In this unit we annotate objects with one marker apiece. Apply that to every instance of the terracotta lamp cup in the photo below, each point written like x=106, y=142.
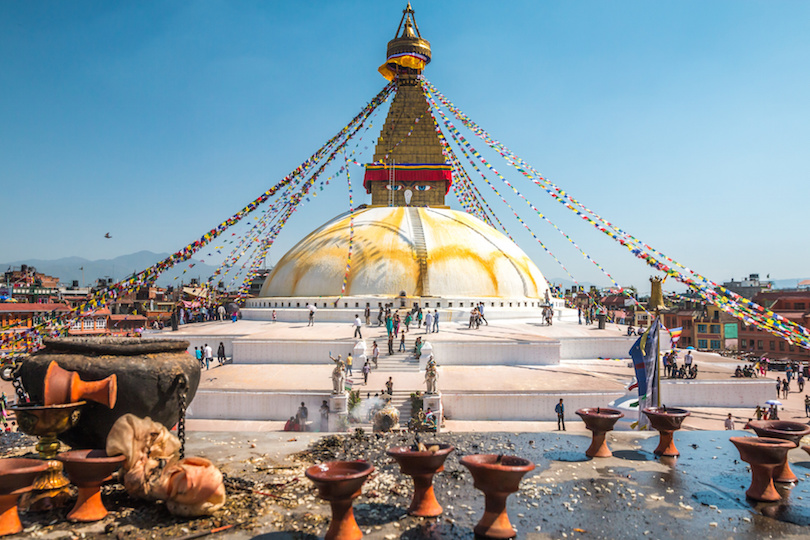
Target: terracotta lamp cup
x=339, y=482
x=764, y=454
x=89, y=469
x=17, y=476
x=599, y=420
x=666, y=420
x=422, y=466
x=781, y=429
x=497, y=476
x=63, y=386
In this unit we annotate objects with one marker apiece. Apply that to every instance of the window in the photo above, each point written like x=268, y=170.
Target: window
x=772, y=345
x=716, y=316
x=77, y=324
x=760, y=345
x=743, y=343
x=702, y=344
x=714, y=329
x=701, y=328
x=88, y=324
x=781, y=345
x=715, y=344
x=798, y=305
x=101, y=323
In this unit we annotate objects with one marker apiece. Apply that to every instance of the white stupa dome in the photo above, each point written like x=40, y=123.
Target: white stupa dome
x=419, y=251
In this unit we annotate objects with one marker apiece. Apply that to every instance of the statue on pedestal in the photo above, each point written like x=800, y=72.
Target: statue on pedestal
x=431, y=379
x=338, y=376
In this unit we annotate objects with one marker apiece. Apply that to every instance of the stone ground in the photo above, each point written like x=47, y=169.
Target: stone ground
x=631, y=494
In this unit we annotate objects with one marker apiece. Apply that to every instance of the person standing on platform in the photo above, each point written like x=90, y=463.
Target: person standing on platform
x=481, y=313
x=349, y=361
x=729, y=423
x=560, y=410
x=390, y=344
x=199, y=356
x=367, y=314
x=428, y=321
x=389, y=386
x=402, y=342
x=375, y=353
x=366, y=371
x=357, y=325
x=208, y=355
x=324, y=416
x=221, y=353
x=435, y=320
x=807, y=405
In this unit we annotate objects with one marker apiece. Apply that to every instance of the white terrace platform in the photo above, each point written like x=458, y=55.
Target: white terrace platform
x=509, y=370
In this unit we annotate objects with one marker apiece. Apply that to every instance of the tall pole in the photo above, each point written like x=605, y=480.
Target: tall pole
x=658, y=359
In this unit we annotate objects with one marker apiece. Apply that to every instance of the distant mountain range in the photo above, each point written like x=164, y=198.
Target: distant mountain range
x=68, y=269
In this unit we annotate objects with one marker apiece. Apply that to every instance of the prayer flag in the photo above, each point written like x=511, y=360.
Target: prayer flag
x=675, y=336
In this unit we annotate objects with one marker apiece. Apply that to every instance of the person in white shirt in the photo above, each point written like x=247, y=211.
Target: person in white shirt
x=208, y=355
x=357, y=325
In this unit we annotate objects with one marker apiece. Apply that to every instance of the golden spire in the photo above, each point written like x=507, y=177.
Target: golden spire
x=407, y=53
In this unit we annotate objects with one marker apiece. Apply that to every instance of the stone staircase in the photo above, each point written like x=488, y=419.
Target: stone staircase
x=420, y=248
x=399, y=361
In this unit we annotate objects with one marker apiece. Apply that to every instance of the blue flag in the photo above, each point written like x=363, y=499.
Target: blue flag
x=644, y=354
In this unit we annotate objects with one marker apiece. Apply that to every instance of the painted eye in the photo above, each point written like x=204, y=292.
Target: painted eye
x=423, y=188
x=393, y=188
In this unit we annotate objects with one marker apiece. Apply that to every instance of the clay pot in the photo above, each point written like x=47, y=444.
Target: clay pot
x=764, y=455
x=781, y=429
x=17, y=476
x=599, y=420
x=497, y=476
x=339, y=482
x=149, y=374
x=666, y=420
x=422, y=466
x=62, y=386
x=88, y=470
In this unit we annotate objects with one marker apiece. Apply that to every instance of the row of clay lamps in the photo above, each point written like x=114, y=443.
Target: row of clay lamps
x=768, y=455
x=600, y=420
x=340, y=482
x=87, y=469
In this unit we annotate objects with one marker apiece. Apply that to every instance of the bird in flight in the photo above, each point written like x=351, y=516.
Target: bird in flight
x=107, y=235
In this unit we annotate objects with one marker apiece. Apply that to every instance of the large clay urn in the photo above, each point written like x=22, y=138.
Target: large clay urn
x=422, y=466
x=497, y=476
x=666, y=420
x=340, y=482
x=785, y=430
x=17, y=476
x=599, y=420
x=149, y=373
x=764, y=454
x=88, y=470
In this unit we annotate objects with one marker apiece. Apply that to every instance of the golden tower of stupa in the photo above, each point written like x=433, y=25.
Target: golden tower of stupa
x=409, y=168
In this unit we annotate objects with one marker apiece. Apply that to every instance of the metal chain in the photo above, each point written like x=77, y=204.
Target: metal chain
x=12, y=373
x=182, y=392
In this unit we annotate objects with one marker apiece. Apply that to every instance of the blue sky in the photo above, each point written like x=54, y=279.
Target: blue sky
x=686, y=123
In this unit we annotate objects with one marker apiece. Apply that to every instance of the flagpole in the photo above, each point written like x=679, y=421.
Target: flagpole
x=658, y=359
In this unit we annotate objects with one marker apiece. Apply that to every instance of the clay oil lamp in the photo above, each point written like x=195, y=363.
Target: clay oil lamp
x=17, y=476
x=497, y=476
x=63, y=386
x=339, y=482
x=781, y=429
x=421, y=463
x=599, y=420
x=764, y=454
x=88, y=470
x=46, y=422
x=666, y=420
